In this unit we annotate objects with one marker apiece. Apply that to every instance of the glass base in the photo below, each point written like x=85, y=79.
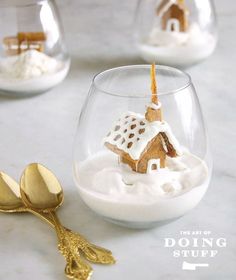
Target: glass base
x=15, y=95
x=140, y=225
x=33, y=86
x=26, y=94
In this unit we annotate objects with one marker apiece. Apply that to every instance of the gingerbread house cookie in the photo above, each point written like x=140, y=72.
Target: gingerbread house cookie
x=143, y=142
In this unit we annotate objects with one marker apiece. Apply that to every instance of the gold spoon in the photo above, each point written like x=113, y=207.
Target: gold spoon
x=10, y=198
x=10, y=202
x=41, y=192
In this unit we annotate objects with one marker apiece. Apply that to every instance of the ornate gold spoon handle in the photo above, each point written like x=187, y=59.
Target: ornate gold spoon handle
x=76, y=268
x=38, y=179
x=91, y=252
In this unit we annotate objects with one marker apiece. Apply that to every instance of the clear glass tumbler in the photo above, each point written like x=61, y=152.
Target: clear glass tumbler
x=33, y=55
x=175, y=32
x=110, y=187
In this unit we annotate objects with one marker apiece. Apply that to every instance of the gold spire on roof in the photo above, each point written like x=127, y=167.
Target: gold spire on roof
x=154, y=84
x=154, y=112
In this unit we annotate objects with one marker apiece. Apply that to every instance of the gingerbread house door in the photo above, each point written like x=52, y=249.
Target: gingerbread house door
x=173, y=25
x=153, y=165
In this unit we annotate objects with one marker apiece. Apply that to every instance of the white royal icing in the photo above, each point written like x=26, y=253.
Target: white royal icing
x=155, y=106
x=126, y=134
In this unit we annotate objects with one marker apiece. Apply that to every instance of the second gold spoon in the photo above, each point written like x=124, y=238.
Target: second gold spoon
x=41, y=191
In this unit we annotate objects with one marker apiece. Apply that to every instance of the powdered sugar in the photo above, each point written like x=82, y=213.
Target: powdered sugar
x=31, y=71
x=29, y=64
x=177, y=48
x=114, y=190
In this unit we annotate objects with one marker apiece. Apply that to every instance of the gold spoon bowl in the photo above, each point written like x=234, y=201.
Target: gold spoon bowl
x=10, y=198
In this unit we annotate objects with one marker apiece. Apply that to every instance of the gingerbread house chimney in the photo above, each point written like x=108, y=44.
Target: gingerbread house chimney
x=154, y=111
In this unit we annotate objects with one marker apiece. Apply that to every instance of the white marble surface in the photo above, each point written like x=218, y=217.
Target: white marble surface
x=42, y=129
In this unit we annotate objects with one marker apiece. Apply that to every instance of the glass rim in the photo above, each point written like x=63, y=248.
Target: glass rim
x=16, y=5
x=146, y=66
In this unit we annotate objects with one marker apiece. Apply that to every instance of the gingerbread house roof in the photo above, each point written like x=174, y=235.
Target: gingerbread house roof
x=132, y=133
x=166, y=4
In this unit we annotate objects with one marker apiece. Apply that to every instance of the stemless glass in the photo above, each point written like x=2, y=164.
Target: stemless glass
x=33, y=55
x=99, y=174
x=176, y=33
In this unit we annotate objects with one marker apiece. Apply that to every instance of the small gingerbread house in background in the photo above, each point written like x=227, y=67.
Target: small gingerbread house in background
x=174, y=15
x=143, y=142
x=24, y=41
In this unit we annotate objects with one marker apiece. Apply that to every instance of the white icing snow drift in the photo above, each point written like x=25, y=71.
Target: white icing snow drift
x=177, y=48
x=31, y=71
x=114, y=191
